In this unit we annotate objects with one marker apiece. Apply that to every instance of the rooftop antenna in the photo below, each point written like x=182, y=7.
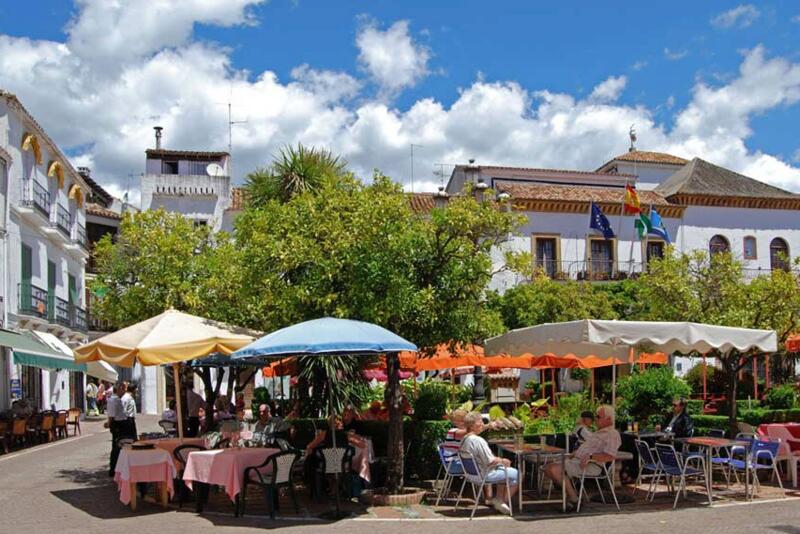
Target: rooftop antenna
x=632, y=135
x=231, y=123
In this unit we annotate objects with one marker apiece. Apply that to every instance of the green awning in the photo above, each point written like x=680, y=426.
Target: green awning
x=30, y=351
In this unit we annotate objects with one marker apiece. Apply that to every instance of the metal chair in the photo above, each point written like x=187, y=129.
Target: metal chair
x=274, y=473
x=181, y=455
x=605, y=474
x=477, y=478
x=452, y=469
x=647, y=462
x=169, y=427
x=673, y=466
x=761, y=456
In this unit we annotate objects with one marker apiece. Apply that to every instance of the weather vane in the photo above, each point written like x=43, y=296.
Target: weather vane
x=632, y=135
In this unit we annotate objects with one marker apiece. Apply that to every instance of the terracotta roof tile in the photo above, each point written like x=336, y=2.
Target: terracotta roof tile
x=485, y=168
x=184, y=154
x=421, y=202
x=100, y=211
x=238, y=198
x=700, y=177
x=575, y=193
x=642, y=156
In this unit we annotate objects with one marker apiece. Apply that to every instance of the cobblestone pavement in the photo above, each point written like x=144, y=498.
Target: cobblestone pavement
x=64, y=488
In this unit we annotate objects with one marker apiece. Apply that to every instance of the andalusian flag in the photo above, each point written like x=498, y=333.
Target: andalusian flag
x=643, y=225
x=631, y=204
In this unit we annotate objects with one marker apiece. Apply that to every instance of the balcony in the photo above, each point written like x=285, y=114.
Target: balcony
x=78, y=318
x=36, y=204
x=79, y=243
x=63, y=221
x=59, y=311
x=592, y=271
x=32, y=300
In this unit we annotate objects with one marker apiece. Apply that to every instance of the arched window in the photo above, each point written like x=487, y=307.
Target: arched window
x=717, y=244
x=750, y=252
x=778, y=254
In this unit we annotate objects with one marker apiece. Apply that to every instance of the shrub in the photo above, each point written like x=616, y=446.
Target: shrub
x=647, y=395
x=715, y=380
x=421, y=439
x=432, y=400
x=780, y=397
x=710, y=421
x=694, y=407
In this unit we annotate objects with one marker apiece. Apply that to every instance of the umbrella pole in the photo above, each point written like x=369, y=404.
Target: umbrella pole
x=705, y=383
x=593, y=397
x=614, y=389
x=176, y=374
x=332, y=419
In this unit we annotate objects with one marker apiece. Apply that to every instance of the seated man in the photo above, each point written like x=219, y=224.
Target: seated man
x=268, y=426
x=680, y=424
x=170, y=414
x=600, y=447
x=498, y=467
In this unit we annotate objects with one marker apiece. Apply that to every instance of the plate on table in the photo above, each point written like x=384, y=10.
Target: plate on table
x=142, y=446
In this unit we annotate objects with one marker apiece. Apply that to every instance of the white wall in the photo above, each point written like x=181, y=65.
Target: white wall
x=647, y=172
x=196, y=197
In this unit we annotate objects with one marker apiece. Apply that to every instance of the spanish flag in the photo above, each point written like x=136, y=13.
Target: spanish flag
x=631, y=205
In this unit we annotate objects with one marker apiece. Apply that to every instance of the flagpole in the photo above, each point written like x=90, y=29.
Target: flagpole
x=646, y=239
x=621, y=215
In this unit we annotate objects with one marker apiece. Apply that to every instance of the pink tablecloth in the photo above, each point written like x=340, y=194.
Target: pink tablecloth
x=170, y=444
x=151, y=465
x=224, y=467
x=361, y=459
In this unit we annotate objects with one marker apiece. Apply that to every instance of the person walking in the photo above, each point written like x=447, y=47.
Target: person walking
x=116, y=424
x=91, y=398
x=129, y=410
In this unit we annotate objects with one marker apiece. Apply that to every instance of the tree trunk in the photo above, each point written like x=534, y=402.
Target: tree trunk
x=211, y=396
x=731, y=366
x=394, y=401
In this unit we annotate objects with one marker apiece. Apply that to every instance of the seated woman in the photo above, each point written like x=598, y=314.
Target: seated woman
x=452, y=442
x=680, y=424
x=583, y=429
x=498, y=468
x=222, y=409
x=345, y=435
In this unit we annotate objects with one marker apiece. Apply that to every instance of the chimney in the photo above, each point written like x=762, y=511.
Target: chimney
x=158, y=136
x=86, y=172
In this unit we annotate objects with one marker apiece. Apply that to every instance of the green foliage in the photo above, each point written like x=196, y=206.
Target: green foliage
x=333, y=379
x=496, y=412
x=780, y=397
x=710, y=421
x=581, y=375
x=715, y=380
x=650, y=393
x=293, y=171
x=433, y=398
x=544, y=300
x=363, y=394
x=694, y=407
x=260, y=396
x=423, y=438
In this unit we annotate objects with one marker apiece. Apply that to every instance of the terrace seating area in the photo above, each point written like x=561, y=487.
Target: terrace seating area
x=21, y=428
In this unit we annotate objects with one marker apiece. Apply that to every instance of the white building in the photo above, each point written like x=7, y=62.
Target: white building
x=193, y=183
x=44, y=251
x=703, y=206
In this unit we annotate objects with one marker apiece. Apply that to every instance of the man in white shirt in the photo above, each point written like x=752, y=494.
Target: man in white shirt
x=129, y=411
x=194, y=403
x=116, y=424
x=600, y=447
x=91, y=398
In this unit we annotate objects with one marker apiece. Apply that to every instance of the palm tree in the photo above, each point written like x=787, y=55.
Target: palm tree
x=293, y=171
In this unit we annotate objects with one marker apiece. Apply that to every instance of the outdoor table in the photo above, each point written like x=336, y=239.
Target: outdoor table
x=538, y=453
x=709, y=444
x=223, y=467
x=170, y=444
x=144, y=465
x=651, y=434
x=793, y=428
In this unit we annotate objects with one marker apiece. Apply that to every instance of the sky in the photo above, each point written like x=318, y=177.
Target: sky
x=534, y=84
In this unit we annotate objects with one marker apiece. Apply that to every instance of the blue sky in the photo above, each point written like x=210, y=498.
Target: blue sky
x=663, y=52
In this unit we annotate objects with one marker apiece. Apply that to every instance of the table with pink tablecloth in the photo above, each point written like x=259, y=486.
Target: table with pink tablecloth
x=224, y=467
x=144, y=465
x=170, y=444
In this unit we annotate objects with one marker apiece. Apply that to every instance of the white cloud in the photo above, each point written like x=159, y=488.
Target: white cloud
x=391, y=58
x=639, y=65
x=675, y=55
x=108, y=120
x=741, y=16
x=609, y=90
x=796, y=19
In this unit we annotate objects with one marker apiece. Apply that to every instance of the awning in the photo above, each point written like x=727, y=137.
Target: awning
x=29, y=350
x=100, y=369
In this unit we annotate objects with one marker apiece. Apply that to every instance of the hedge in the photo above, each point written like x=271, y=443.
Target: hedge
x=762, y=416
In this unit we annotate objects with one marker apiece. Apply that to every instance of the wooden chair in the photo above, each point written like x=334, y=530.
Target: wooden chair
x=47, y=427
x=5, y=431
x=274, y=473
x=32, y=428
x=19, y=431
x=61, y=424
x=74, y=420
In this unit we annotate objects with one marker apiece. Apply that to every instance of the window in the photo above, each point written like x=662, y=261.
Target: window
x=169, y=167
x=546, y=254
x=601, y=259
x=718, y=244
x=198, y=167
x=655, y=249
x=679, y=367
x=778, y=254
x=750, y=248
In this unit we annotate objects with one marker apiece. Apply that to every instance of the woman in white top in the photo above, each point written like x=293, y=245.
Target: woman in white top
x=498, y=467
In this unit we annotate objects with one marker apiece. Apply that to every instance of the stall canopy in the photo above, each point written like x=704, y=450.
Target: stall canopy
x=29, y=350
x=613, y=339
x=100, y=370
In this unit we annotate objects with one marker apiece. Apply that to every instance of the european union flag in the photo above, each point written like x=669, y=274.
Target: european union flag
x=599, y=222
x=658, y=226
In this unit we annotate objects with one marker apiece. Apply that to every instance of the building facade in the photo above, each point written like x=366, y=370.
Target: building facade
x=44, y=251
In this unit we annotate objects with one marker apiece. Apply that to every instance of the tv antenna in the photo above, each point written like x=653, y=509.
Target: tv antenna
x=231, y=124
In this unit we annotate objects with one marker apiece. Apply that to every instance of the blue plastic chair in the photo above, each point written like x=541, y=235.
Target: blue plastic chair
x=760, y=457
x=452, y=469
x=647, y=463
x=477, y=478
x=674, y=467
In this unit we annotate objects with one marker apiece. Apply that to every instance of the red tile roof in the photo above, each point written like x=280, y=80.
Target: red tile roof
x=575, y=193
x=238, y=198
x=100, y=211
x=422, y=202
x=183, y=154
x=485, y=168
x=643, y=156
